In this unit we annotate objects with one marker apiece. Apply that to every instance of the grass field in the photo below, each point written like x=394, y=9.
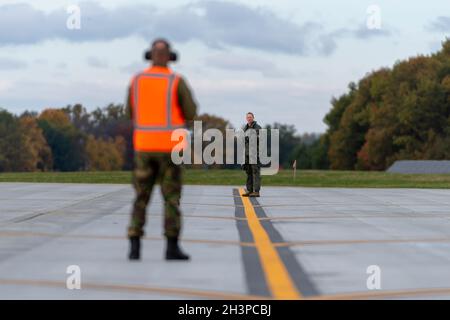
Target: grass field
x=306, y=178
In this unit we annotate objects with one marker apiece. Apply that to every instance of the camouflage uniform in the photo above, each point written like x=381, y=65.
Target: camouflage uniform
x=151, y=168
x=155, y=167
x=253, y=171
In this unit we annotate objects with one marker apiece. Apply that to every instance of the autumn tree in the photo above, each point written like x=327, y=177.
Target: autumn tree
x=394, y=113
x=105, y=154
x=22, y=144
x=35, y=152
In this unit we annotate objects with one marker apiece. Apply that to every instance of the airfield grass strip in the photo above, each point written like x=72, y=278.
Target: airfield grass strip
x=304, y=178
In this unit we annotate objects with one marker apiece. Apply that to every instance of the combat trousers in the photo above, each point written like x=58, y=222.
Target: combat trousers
x=253, y=172
x=152, y=168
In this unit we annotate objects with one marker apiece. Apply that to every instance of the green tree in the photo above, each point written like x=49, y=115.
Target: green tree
x=66, y=142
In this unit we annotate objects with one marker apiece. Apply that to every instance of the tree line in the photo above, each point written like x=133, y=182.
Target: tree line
x=394, y=113
x=73, y=139
x=66, y=139
x=391, y=114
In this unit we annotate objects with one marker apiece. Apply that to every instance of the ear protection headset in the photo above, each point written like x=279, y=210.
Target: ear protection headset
x=173, y=55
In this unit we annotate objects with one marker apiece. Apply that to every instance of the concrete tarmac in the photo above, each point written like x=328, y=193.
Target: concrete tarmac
x=291, y=243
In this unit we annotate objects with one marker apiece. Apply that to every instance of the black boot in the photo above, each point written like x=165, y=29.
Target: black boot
x=135, y=248
x=173, y=251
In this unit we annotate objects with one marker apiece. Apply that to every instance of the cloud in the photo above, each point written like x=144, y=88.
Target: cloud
x=221, y=24
x=361, y=33
x=11, y=64
x=37, y=94
x=23, y=24
x=5, y=85
x=61, y=66
x=133, y=67
x=217, y=24
x=440, y=24
x=365, y=33
x=96, y=63
x=233, y=62
x=40, y=61
x=281, y=100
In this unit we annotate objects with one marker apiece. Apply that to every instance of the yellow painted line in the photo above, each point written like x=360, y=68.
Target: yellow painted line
x=278, y=279
x=136, y=288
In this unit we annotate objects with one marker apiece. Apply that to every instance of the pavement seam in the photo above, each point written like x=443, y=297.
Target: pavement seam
x=34, y=215
x=136, y=288
x=13, y=233
x=278, y=244
x=383, y=294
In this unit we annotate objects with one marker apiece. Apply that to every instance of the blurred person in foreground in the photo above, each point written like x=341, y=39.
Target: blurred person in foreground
x=159, y=102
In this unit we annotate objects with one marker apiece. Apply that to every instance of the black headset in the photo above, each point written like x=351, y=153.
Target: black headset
x=173, y=55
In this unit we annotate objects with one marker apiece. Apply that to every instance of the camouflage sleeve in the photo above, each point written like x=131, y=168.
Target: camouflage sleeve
x=186, y=100
x=258, y=128
x=128, y=107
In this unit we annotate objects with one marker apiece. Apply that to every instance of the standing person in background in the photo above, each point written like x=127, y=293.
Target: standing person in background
x=253, y=170
x=159, y=102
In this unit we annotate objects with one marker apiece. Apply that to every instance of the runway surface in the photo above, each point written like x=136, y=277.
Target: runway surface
x=291, y=243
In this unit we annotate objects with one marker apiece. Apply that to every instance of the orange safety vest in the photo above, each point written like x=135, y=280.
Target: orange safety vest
x=156, y=111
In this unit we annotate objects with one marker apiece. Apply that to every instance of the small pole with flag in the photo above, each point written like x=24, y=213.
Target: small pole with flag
x=294, y=166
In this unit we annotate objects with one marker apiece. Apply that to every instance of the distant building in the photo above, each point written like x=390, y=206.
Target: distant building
x=420, y=166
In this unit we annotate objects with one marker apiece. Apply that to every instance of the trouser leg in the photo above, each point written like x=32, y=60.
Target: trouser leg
x=144, y=178
x=249, y=183
x=256, y=176
x=171, y=183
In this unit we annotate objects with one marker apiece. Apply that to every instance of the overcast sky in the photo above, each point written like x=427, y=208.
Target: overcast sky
x=284, y=60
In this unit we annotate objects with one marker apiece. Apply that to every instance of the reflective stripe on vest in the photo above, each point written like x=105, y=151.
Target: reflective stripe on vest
x=156, y=112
